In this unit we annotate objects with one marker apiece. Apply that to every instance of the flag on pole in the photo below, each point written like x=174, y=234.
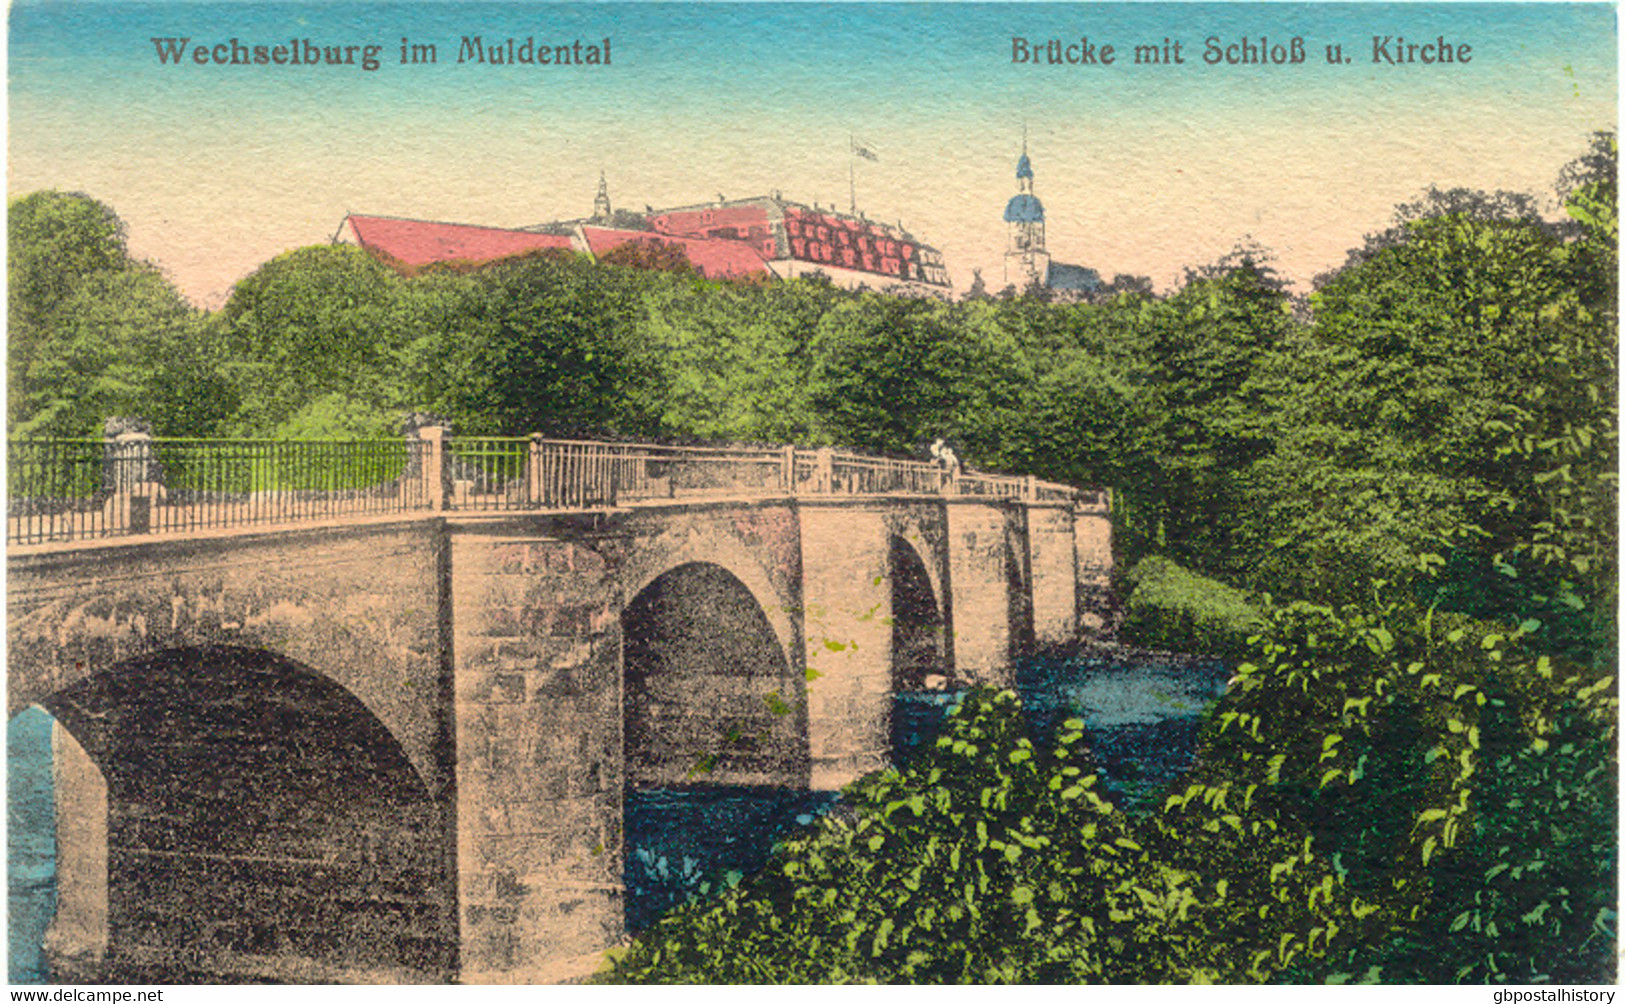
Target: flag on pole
x=864, y=150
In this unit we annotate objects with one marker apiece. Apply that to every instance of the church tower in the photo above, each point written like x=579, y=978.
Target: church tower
x=1026, y=261
x=600, y=205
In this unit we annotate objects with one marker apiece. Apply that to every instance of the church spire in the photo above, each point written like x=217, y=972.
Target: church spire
x=600, y=205
x=1026, y=260
x=1024, y=167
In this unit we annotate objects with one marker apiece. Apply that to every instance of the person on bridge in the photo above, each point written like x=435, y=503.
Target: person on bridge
x=947, y=462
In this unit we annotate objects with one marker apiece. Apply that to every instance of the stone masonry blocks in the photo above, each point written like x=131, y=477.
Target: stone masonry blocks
x=981, y=568
x=1053, y=560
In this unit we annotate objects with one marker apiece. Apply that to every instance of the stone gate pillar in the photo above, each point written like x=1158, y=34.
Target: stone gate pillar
x=131, y=475
x=432, y=463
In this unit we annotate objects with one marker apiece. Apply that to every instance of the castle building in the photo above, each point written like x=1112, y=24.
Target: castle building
x=797, y=240
x=766, y=237
x=414, y=244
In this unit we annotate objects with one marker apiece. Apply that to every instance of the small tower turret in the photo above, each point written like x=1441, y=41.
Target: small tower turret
x=1026, y=259
x=600, y=205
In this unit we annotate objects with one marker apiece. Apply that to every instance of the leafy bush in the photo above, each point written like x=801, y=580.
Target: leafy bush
x=994, y=859
x=1530, y=897
x=1171, y=608
x=1458, y=778
x=925, y=877
x=338, y=416
x=1384, y=794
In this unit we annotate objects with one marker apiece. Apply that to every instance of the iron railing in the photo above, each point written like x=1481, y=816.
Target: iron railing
x=65, y=490
x=61, y=490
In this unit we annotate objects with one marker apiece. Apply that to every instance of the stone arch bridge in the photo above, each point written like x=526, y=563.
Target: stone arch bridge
x=315, y=723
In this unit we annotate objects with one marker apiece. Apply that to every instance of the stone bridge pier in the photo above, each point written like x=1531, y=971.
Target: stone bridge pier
x=398, y=749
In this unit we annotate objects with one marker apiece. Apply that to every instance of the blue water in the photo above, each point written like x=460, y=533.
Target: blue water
x=1141, y=714
x=689, y=843
x=30, y=845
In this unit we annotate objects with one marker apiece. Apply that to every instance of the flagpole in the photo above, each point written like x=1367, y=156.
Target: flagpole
x=852, y=171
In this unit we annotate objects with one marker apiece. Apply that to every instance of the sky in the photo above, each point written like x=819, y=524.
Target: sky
x=1143, y=168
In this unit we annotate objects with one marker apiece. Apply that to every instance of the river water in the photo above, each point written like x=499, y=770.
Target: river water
x=1141, y=712
x=30, y=844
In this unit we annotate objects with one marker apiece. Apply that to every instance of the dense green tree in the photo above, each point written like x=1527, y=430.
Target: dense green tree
x=878, y=374
x=437, y=373
x=1207, y=416
x=316, y=323
x=543, y=344
x=1077, y=423
x=892, y=374
x=989, y=362
x=729, y=361
x=94, y=333
x=1457, y=387
x=54, y=240
x=1557, y=444
x=95, y=355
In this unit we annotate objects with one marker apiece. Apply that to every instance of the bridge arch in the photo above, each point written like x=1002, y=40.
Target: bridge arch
x=918, y=632
x=711, y=696
x=658, y=555
x=260, y=822
x=355, y=601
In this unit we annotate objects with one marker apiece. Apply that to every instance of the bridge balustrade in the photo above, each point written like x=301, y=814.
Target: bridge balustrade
x=859, y=475
x=63, y=489
x=498, y=473
x=76, y=489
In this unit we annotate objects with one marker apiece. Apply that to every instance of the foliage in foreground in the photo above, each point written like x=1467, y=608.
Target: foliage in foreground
x=1381, y=796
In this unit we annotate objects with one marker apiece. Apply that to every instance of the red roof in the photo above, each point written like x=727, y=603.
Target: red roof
x=418, y=242
x=715, y=258
x=698, y=221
